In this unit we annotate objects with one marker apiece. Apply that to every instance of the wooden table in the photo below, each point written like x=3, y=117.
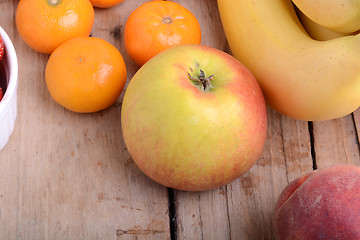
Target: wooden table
x=65, y=175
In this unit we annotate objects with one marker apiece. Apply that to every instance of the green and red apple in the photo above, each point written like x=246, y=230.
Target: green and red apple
x=194, y=118
x=323, y=204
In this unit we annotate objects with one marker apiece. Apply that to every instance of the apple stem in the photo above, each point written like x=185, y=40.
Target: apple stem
x=203, y=80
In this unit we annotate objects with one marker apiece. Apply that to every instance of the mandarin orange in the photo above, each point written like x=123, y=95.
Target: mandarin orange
x=105, y=3
x=45, y=24
x=158, y=25
x=85, y=74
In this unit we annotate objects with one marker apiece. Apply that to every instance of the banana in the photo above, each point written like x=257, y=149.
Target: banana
x=338, y=15
x=317, y=31
x=300, y=77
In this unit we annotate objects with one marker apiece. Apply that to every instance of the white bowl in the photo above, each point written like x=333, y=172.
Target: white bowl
x=8, y=105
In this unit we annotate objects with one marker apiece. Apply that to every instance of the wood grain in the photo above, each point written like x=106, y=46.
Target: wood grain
x=336, y=142
x=69, y=176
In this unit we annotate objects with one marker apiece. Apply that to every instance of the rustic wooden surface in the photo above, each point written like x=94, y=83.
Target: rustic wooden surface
x=69, y=176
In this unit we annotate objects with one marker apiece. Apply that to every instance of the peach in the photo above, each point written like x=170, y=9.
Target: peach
x=324, y=204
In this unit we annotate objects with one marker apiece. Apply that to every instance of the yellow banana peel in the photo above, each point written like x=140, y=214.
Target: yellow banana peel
x=341, y=16
x=300, y=77
x=317, y=31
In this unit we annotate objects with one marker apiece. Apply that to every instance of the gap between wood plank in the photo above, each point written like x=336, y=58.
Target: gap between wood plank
x=172, y=214
x=356, y=132
x=312, y=144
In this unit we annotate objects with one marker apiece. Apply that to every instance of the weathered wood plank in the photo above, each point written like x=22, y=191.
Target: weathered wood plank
x=203, y=215
x=335, y=142
x=356, y=116
x=65, y=175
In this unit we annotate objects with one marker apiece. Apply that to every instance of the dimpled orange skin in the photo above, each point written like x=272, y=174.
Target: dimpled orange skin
x=105, y=3
x=158, y=25
x=45, y=24
x=85, y=74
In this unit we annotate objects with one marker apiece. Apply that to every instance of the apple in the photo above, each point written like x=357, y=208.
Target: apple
x=324, y=204
x=194, y=118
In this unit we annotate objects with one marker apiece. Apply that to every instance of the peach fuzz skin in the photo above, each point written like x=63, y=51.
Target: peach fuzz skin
x=324, y=204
